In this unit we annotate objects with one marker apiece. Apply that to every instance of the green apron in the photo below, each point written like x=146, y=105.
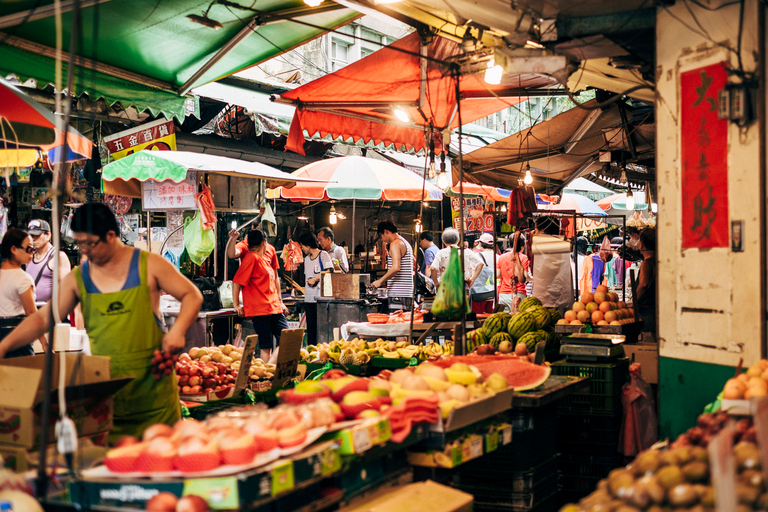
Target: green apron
x=122, y=325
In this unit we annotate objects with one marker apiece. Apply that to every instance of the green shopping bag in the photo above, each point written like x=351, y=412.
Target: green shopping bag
x=198, y=242
x=449, y=300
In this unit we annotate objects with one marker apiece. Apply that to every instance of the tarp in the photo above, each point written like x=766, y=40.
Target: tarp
x=155, y=44
x=357, y=100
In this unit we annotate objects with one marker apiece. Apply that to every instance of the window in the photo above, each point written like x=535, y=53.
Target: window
x=339, y=55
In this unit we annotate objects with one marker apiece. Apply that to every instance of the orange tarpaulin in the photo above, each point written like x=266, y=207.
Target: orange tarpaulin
x=356, y=101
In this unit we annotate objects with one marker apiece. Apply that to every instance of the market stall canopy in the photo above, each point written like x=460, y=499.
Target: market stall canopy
x=484, y=191
x=123, y=177
x=560, y=149
x=359, y=100
x=148, y=53
x=574, y=203
x=357, y=177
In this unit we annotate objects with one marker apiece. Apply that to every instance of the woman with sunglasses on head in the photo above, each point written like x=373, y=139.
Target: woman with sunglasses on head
x=17, y=290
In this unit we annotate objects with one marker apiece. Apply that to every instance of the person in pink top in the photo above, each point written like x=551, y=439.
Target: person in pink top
x=512, y=269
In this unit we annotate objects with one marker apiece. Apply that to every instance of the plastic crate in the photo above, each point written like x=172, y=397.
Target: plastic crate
x=588, y=429
x=583, y=404
x=573, y=466
x=583, y=485
x=479, y=475
x=605, y=379
x=392, y=364
x=519, y=502
x=532, y=418
x=527, y=450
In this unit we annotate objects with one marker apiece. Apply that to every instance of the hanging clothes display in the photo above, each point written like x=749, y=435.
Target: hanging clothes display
x=204, y=201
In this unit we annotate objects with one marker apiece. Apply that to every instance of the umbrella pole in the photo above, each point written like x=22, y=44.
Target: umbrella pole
x=354, y=204
x=459, y=346
x=149, y=231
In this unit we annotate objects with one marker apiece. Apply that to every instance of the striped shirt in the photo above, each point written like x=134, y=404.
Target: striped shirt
x=401, y=284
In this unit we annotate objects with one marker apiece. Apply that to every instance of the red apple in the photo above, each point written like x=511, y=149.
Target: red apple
x=207, y=373
x=162, y=502
x=126, y=441
x=185, y=357
x=192, y=503
x=209, y=383
x=183, y=380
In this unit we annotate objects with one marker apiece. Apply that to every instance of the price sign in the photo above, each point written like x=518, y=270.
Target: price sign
x=491, y=442
x=219, y=492
x=330, y=462
x=506, y=435
x=282, y=477
x=169, y=195
x=476, y=221
x=361, y=440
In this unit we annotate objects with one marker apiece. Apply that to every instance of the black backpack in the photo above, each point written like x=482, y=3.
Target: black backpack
x=210, y=290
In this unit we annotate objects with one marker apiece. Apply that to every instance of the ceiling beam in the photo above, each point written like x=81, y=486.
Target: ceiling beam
x=45, y=11
x=83, y=62
x=514, y=93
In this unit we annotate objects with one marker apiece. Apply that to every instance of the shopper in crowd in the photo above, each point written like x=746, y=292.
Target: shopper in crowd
x=512, y=269
x=41, y=266
x=400, y=267
x=315, y=262
x=482, y=292
x=337, y=253
x=427, y=244
x=473, y=265
x=259, y=281
x=17, y=290
x=550, y=264
x=119, y=288
x=646, y=281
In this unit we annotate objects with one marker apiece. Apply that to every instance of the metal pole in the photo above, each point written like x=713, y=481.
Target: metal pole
x=149, y=231
x=459, y=345
x=495, y=289
x=353, y=244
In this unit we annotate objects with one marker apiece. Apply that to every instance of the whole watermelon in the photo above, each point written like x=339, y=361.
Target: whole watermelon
x=530, y=340
x=541, y=317
x=520, y=324
x=554, y=316
x=472, y=340
x=494, y=324
x=498, y=338
x=527, y=303
x=553, y=339
x=481, y=338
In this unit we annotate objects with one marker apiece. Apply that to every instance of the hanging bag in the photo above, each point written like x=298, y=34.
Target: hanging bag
x=198, y=242
x=448, y=300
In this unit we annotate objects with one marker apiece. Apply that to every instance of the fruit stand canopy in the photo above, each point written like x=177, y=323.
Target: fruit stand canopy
x=146, y=53
x=357, y=101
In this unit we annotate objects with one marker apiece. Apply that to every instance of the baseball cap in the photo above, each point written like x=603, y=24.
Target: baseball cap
x=486, y=238
x=38, y=226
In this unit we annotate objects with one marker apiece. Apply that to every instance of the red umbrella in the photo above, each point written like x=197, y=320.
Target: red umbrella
x=25, y=124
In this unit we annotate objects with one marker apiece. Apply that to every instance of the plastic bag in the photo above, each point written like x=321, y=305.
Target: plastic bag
x=225, y=294
x=198, y=242
x=448, y=300
x=639, y=428
x=606, y=253
x=552, y=280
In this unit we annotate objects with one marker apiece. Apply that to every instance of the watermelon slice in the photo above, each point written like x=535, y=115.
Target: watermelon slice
x=521, y=375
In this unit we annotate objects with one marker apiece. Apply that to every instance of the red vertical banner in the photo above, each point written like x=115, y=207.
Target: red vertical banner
x=704, y=152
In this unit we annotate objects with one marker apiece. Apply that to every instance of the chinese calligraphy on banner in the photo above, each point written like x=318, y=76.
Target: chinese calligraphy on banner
x=476, y=221
x=157, y=135
x=704, y=152
x=169, y=195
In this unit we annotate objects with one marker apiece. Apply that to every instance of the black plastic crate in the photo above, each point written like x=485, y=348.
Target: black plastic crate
x=584, y=429
x=532, y=418
x=593, y=467
x=605, y=379
x=543, y=500
x=527, y=450
x=607, y=452
x=591, y=404
x=479, y=474
x=576, y=484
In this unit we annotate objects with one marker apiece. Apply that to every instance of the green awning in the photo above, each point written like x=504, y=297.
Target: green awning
x=145, y=52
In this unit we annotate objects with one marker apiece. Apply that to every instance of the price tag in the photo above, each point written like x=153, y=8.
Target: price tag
x=723, y=470
x=330, y=462
x=219, y=492
x=457, y=455
x=282, y=477
x=506, y=435
x=385, y=432
x=761, y=426
x=491, y=442
x=476, y=447
x=373, y=433
x=361, y=441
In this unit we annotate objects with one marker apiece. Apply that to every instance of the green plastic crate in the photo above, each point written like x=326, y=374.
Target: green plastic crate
x=605, y=379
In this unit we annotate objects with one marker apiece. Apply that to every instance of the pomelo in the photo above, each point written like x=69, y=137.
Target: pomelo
x=600, y=297
x=601, y=288
x=592, y=307
x=597, y=316
x=587, y=297
x=605, y=307
x=583, y=316
x=578, y=306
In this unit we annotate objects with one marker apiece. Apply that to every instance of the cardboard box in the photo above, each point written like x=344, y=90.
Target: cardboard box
x=89, y=391
x=647, y=354
x=21, y=458
x=472, y=412
x=418, y=496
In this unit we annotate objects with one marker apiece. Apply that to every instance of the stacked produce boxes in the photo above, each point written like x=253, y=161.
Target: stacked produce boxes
x=589, y=425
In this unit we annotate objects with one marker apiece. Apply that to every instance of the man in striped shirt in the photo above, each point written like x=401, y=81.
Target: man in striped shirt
x=399, y=275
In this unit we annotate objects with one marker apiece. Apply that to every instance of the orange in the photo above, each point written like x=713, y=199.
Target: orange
x=570, y=315
x=734, y=389
x=597, y=316
x=601, y=288
x=587, y=297
x=605, y=306
x=600, y=297
x=610, y=316
x=582, y=316
x=578, y=306
x=591, y=307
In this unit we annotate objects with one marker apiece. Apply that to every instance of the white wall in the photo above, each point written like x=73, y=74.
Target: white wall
x=709, y=300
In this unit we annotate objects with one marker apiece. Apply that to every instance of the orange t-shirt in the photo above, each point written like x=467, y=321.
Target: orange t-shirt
x=257, y=277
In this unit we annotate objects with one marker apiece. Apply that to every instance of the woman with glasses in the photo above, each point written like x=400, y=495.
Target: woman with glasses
x=17, y=290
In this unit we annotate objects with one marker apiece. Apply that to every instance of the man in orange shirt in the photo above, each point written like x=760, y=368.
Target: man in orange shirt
x=258, y=279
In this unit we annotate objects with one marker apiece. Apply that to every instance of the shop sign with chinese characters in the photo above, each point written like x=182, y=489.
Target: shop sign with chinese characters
x=157, y=135
x=169, y=195
x=704, y=152
x=476, y=221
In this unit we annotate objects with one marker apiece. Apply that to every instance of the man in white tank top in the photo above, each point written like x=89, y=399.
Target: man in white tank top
x=399, y=275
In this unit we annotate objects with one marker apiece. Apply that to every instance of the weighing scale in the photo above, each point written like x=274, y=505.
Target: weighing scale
x=592, y=347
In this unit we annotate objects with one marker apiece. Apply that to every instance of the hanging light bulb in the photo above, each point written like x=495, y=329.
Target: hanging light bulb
x=417, y=220
x=442, y=180
x=494, y=73
x=654, y=208
x=302, y=216
x=528, y=178
x=401, y=114
x=630, y=200
x=504, y=207
x=313, y=3
x=432, y=172
x=332, y=218
x=426, y=204
x=234, y=224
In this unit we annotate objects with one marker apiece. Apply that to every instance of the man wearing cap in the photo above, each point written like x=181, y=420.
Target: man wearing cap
x=41, y=266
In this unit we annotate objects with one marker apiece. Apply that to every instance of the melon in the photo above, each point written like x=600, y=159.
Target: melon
x=520, y=324
x=554, y=316
x=498, y=338
x=494, y=324
x=531, y=340
x=541, y=316
x=528, y=302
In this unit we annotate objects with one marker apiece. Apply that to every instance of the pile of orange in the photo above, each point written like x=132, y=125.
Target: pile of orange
x=600, y=308
x=750, y=384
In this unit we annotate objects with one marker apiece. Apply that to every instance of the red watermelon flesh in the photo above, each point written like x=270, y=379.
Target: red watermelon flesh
x=520, y=375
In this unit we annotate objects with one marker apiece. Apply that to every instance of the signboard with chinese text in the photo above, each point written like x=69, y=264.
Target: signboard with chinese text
x=169, y=195
x=158, y=135
x=704, y=155
x=476, y=221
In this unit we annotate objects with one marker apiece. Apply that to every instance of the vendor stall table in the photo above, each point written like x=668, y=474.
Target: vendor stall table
x=332, y=312
x=200, y=334
x=421, y=331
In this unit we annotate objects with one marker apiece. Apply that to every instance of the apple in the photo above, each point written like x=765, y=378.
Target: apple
x=183, y=380
x=186, y=390
x=182, y=369
x=162, y=502
x=209, y=383
x=185, y=358
x=196, y=390
x=126, y=441
x=194, y=371
x=195, y=381
x=192, y=503
x=157, y=430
